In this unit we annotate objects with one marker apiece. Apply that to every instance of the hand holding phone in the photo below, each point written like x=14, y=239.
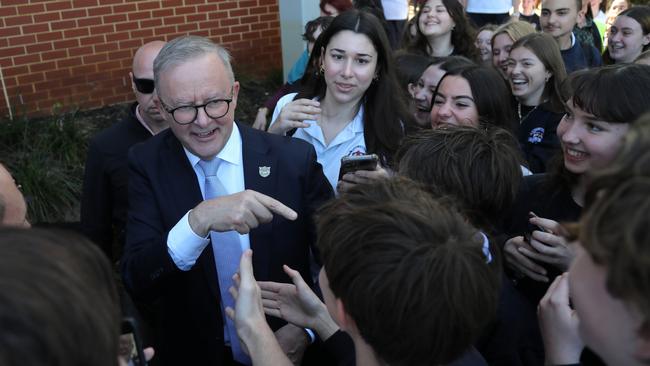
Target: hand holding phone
x=131, y=344
x=350, y=164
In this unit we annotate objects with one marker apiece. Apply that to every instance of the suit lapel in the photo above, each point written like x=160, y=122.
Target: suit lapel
x=260, y=175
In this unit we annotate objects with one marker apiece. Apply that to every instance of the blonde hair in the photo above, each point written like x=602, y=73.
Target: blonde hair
x=514, y=30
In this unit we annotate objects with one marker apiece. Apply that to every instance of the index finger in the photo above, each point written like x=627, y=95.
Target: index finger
x=276, y=206
x=550, y=226
x=307, y=102
x=246, y=267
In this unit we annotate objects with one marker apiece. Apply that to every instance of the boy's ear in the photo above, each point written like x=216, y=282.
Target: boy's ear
x=344, y=320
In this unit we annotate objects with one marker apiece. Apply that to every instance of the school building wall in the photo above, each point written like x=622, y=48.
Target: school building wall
x=77, y=53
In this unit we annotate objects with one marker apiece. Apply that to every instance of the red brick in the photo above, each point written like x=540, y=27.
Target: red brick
x=120, y=36
x=106, y=47
x=268, y=17
x=121, y=27
x=174, y=20
x=172, y=3
x=114, y=18
x=218, y=15
x=71, y=14
x=258, y=10
x=110, y=65
x=31, y=9
x=252, y=35
x=227, y=22
x=13, y=51
x=112, y=2
x=240, y=28
x=76, y=32
x=84, y=3
x=248, y=4
x=36, y=28
x=130, y=44
x=148, y=5
x=58, y=5
x=231, y=38
x=39, y=47
x=187, y=27
x=92, y=40
x=31, y=78
x=194, y=2
x=228, y=5
x=46, y=17
x=125, y=8
x=206, y=8
x=162, y=13
x=64, y=24
x=13, y=71
x=53, y=55
x=118, y=55
x=139, y=15
x=150, y=23
x=6, y=11
x=196, y=17
x=8, y=32
x=164, y=30
x=142, y=33
x=18, y=20
x=185, y=10
x=102, y=10
x=268, y=2
x=4, y=43
x=95, y=58
x=237, y=12
x=102, y=29
x=202, y=33
x=57, y=74
x=66, y=43
x=210, y=24
x=26, y=60
x=80, y=51
x=90, y=21
x=42, y=66
x=50, y=36
x=249, y=20
x=84, y=70
x=76, y=61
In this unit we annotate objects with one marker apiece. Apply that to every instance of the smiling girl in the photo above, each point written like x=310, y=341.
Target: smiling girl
x=600, y=104
x=535, y=73
x=443, y=30
x=629, y=35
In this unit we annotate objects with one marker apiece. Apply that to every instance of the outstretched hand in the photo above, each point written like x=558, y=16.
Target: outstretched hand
x=297, y=304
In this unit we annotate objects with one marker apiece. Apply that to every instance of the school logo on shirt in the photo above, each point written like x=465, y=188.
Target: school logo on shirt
x=265, y=171
x=536, y=135
x=357, y=150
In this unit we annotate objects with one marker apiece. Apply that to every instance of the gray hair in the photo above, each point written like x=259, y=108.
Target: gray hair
x=183, y=49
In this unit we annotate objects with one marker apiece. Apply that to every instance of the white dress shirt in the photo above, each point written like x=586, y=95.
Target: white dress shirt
x=183, y=244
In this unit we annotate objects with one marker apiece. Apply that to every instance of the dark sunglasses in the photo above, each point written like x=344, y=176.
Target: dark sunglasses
x=144, y=86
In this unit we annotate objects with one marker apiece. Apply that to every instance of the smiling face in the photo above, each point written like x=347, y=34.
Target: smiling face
x=434, y=20
x=587, y=142
x=500, y=53
x=626, y=39
x=350, y=63
x=484, y=45
x=454, y=104
x=558, y=18
x=195, y=82
x=527, y=76
x=422, y=93
x=607, y=325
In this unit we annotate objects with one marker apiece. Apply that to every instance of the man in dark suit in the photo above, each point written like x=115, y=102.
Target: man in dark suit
x=104, y=198
x=188, y=223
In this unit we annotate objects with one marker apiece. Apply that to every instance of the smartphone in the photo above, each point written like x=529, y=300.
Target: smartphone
x=529, y=232
x=131, y=343
x=353, y=163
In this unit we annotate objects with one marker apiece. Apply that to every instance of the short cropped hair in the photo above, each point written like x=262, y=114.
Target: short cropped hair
x=514, y=30
x=58, y=304
x=409, y=270
x=615, y=233
x=478, y=168
x=183, y=49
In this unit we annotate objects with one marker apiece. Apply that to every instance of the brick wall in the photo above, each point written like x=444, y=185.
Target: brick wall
x=79, y=52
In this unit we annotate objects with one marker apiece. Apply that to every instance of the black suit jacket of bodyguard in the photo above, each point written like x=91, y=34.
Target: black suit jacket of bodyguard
x=163, y=187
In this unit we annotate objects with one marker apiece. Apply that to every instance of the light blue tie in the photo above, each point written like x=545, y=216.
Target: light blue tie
x=227, y=252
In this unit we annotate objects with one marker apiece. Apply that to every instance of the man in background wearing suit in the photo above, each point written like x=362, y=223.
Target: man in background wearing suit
x=104, y=198
x=203, y=192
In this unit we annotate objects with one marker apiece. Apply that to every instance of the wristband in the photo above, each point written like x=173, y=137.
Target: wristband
x=310, y=334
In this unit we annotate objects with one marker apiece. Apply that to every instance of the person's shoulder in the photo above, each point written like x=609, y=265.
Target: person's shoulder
x=150, y=148
x=121, y=134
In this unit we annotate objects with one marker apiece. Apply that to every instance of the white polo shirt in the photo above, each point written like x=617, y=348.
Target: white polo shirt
x=489, y=6
x=349, y=141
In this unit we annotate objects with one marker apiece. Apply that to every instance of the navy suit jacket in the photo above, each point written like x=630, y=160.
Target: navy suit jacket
x=163, y=187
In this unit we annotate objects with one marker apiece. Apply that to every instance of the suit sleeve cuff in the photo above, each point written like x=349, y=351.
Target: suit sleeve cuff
x=183, y=245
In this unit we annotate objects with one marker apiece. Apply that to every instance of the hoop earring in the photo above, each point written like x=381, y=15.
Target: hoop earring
x=322, y=69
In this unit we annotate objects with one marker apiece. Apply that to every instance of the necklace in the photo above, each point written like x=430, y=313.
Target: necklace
x=521, y=119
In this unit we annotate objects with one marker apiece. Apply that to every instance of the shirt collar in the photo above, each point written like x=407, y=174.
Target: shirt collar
x=231, y=152
x=138, y=116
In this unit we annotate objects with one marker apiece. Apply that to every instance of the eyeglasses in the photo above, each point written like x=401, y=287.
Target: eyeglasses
x=144, y=86
x=186, y=114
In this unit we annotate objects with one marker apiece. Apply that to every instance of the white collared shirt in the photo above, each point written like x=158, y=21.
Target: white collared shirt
x=183, y=245
x=350, y=141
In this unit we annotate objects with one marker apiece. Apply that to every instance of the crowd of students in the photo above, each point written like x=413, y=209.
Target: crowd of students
x=505, y=222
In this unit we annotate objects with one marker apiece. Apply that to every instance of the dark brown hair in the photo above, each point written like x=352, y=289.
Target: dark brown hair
x=409, y=270
x=479, y=169
x=58, y=304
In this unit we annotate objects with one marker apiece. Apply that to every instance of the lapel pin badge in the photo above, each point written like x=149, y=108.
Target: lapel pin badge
x=265, y=171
